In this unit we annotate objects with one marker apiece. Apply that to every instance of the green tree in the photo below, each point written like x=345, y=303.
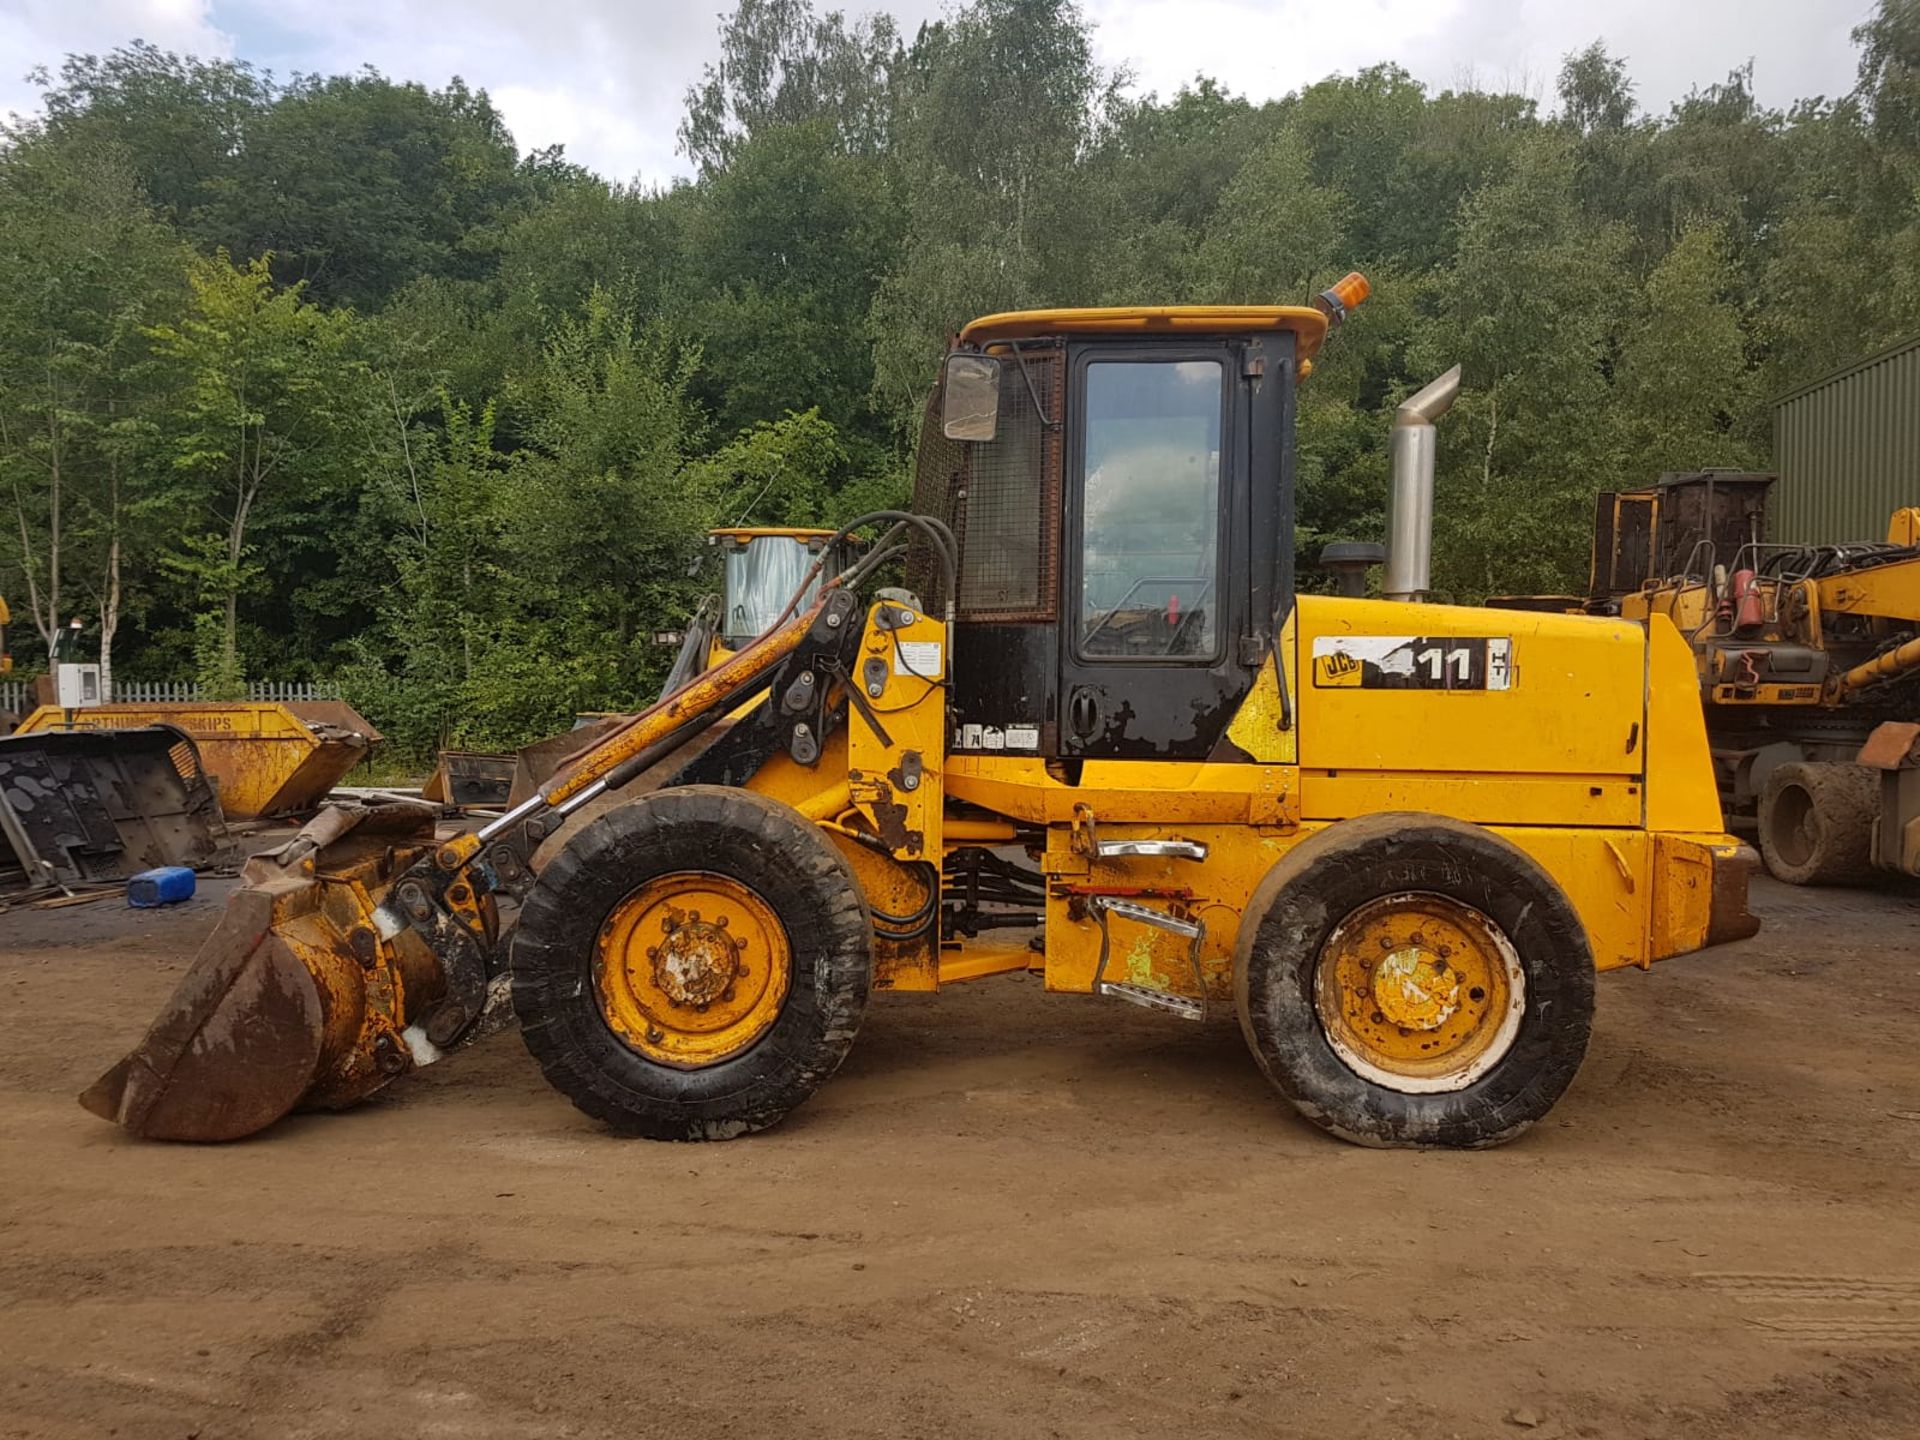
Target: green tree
x=181, y=122
x=1274, y=231
x=1596, y=95
x=1531, y=307
x=264, y=414
x=1150, y=184
x=355, y=185
x=999, y=104
x=779, y=472
x=605, y=518
x=1889, y=44
x=785, y=251
x=84, y=267
x=1683, y=387
x=780, y=64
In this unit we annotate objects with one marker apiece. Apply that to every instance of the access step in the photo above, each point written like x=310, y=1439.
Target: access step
x=1155, y=999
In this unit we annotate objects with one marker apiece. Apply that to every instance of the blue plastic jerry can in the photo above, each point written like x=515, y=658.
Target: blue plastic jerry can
x=168, y=885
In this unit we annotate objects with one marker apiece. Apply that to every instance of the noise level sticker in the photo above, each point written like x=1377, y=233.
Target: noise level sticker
x=1413, y=662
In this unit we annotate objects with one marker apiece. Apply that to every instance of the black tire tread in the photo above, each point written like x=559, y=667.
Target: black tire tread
x=1321, y=881
x=697, y=827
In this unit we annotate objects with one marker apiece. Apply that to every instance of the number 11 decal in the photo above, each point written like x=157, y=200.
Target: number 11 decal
x=1413, y=662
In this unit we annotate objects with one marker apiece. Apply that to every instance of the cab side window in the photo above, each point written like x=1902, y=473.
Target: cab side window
x=1150, y=550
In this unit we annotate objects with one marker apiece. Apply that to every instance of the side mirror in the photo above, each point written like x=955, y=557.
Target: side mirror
x=970, y=397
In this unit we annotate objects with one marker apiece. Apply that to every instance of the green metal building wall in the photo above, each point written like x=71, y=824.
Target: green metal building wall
x=1847, y=448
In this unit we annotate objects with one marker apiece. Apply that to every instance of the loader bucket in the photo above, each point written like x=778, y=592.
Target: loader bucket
x=294, y=1001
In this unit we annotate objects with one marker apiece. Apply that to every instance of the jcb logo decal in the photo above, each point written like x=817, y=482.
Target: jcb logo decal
x=1336, y=668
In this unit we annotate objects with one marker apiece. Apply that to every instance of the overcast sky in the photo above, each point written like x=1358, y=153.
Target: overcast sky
x=606, y=77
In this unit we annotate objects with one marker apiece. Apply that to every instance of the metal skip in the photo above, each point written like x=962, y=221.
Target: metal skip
x=267, y=758
x=80, y=808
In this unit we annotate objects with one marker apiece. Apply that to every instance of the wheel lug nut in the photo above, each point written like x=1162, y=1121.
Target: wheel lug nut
x=1386, y=942
x=655, y=1034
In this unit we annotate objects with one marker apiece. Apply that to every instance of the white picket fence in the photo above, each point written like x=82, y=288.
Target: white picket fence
x=14, y=697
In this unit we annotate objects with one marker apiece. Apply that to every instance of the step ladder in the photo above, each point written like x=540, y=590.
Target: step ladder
x=1106, y=908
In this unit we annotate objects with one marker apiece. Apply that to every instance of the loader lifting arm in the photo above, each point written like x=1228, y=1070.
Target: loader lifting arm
x=361, y=948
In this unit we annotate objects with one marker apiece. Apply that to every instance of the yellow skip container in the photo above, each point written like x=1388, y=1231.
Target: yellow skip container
x=269, y=758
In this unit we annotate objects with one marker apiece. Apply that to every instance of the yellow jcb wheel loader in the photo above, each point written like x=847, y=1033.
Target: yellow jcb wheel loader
x=1097, y=735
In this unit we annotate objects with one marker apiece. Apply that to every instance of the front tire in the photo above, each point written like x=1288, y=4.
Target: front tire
x=692, y=965
x=1407, y=980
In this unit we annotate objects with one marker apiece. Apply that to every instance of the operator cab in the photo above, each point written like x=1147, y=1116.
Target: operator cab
x=1128, y=471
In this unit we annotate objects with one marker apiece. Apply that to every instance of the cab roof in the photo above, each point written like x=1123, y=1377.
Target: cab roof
x=1306, y=322
x=761, y=532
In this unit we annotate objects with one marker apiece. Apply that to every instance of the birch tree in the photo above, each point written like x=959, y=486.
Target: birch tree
x=84, y=267
x=267, y=396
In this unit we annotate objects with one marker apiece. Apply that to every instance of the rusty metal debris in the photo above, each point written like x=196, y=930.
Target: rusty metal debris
x=89, y=807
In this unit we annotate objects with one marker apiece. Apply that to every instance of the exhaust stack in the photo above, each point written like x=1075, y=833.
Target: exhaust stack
x=1411, y=447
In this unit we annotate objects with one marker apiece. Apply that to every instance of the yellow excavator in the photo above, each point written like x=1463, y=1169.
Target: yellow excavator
x=1098, y=735
x=1808, y=663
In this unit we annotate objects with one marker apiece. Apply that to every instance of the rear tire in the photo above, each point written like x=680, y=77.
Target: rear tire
x=1411, y=981
x=725, y=840
x=1816, y=823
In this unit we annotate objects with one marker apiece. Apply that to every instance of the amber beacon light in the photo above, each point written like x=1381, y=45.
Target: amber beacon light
x=1343, y=295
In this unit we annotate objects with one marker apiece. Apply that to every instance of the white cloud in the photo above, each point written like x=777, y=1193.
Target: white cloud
x=43, y=32
x=1799, y=47
x=606, y=77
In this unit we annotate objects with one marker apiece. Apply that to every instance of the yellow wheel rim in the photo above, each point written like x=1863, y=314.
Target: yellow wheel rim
x=1419, y=993
x=691, y=969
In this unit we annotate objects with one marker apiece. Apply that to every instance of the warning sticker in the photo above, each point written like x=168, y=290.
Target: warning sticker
x=917, y=657
x=1413, y=662
x=995, y=737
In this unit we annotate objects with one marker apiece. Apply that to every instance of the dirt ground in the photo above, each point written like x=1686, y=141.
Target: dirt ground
x=1011, y=1214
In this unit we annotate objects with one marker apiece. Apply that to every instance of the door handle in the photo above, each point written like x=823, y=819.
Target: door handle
x=1083, y=714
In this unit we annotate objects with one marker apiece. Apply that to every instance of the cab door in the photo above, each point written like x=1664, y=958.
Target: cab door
x=1158, y=644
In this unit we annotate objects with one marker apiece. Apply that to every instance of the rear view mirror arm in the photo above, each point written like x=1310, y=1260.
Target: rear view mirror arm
x=1032, y=394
